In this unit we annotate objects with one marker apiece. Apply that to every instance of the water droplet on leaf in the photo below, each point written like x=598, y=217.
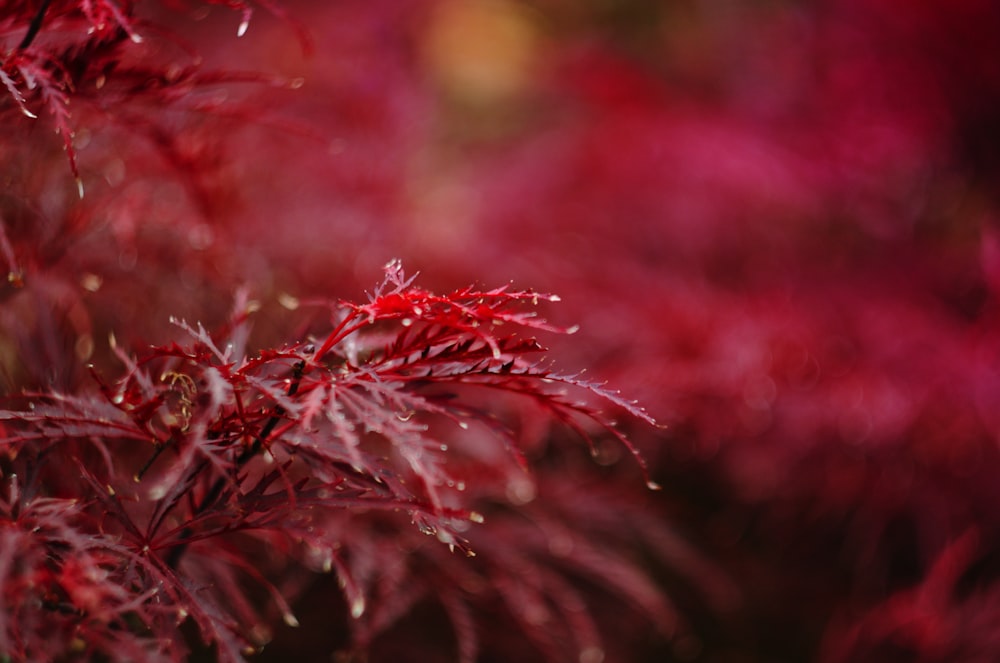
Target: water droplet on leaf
x=357, y=607
x=91, y=282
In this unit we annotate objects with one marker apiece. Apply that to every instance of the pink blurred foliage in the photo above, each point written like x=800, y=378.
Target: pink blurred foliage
x=774, y=223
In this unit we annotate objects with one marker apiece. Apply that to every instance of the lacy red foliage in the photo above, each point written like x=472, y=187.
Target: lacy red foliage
x=200, y=444
x=774, y=223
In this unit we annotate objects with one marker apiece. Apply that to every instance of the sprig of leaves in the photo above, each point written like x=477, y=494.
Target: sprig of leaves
x=202, y=446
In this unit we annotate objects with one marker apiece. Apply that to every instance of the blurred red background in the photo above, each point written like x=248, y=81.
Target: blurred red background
x=774, y=223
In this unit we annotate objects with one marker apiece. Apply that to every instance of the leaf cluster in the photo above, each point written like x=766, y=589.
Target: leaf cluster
x=205, y=466
x=97, y=55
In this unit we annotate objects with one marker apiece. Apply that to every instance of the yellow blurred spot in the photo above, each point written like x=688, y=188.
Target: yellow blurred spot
x=482, y=51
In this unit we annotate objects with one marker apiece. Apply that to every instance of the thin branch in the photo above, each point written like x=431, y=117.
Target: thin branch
x=36, y=25
x=174, y=557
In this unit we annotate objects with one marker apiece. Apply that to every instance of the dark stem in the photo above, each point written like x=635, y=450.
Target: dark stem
x=36, y=25
x=210, y=497
x=160, y=446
